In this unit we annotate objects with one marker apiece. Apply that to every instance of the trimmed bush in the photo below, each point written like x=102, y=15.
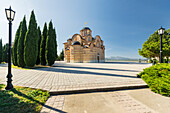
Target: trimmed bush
x=31, y=42
x=158, y=78
x=43, y=45
x=20, y=47
x=14, y=48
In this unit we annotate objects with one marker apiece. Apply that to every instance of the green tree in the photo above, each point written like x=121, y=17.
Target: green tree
x=31, y=42
x=5, y=53
x=62, y=55
x=1, y=50
x=39, y=42
x=14, y=48
x=55, y=41
x=43, y=45
x=50, y=45
x=151, y=47
x=20, y=47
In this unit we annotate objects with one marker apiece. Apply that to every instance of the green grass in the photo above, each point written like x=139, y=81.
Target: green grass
x=3, y=63
x=22, y=100
x=158, y=78
x=28, y=68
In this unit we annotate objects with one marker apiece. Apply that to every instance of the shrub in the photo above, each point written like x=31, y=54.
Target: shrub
x=158, y=78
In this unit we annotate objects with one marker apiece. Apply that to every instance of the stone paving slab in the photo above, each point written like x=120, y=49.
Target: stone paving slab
x=78, y=76
x=124, y=101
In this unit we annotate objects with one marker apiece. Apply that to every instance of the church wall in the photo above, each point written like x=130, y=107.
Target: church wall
x=68, y=56
x=77, y=54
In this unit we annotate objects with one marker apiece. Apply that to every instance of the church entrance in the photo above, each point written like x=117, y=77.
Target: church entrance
x=98, y=59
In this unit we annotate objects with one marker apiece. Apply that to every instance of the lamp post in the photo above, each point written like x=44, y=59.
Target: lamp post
x=161, y=32
x=10, y=14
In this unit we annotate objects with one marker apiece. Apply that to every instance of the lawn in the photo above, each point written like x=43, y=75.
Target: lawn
x=28, y=68
x=158, y=78
x=22, y=100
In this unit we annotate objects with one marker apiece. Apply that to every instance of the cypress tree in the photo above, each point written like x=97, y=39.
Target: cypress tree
x=43, y=45
x=20, y=47
x=55, y=41
x=62, y=55
x=39, y=42
x=14, y=48
x=0, y=50
x=31, y=42
x=50, y=46
x=5, y=53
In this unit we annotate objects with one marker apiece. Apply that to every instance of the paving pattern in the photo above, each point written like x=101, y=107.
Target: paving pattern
x=54, y=104
x=77, y=76
x=107, y=102
x=130, y=104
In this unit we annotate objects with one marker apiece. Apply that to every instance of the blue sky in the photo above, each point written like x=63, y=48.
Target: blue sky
x=124, y=25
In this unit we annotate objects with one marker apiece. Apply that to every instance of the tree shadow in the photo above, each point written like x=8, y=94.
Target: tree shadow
x=119, y=62
x=95, y=68
x=11, y=104
x=55, y=69
x=49, y=107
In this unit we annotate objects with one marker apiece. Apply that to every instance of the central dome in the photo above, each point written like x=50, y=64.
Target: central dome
x=85, y=28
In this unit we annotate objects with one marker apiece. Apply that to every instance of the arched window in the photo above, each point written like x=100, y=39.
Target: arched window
x=85, y=32
x=88, y=38
x=88, y=31
x=98, y=44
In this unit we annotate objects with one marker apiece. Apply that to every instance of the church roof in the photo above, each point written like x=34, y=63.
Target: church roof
x=85, y=28
x=76, y=43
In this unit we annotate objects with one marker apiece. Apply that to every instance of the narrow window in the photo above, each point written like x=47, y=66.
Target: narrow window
x=88, y=38
x=97, y=44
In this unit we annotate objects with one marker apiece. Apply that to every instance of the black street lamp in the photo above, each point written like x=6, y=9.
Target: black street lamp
x=10, y=14
x=161, y=32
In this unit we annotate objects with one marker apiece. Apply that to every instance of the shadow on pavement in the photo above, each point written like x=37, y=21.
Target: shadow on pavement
x=55, y=69
x=96, y=68
x=119, y=62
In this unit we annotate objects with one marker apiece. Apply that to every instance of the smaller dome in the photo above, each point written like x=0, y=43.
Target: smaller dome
x=76, y=43
x=85, y=46
x=85, y=28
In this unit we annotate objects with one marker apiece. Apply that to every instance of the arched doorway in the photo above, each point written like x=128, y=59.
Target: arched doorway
x=98, y=59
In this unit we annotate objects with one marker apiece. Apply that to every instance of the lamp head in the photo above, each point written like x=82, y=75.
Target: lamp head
x=10, y=14
x=161, y=31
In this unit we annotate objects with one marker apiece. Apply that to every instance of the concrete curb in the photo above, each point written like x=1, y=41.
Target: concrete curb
x=97, y=89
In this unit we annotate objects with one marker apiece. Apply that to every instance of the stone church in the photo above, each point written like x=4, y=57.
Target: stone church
x=84, y=48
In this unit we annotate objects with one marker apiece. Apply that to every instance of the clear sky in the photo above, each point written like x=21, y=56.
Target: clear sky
x=124, y=25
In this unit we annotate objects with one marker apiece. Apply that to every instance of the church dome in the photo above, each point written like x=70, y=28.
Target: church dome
x=76, y=43
x=85, y=28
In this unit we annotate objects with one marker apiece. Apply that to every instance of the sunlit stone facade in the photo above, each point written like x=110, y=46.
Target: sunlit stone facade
x=84, y=48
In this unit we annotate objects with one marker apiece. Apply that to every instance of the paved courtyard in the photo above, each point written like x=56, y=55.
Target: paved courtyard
x=124, y=101
x=77, y=76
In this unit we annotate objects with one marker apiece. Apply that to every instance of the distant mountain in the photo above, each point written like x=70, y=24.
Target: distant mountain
x=121, y=58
